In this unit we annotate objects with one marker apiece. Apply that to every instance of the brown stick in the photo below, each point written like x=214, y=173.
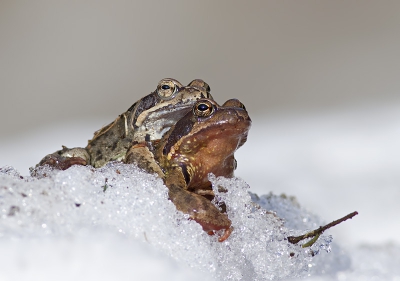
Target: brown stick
x=320, y=230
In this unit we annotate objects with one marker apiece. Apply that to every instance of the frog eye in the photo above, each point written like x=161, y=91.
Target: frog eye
x=167, y=89
x=203, y=108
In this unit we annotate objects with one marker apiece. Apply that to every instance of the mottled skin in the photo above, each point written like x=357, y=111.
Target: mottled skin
x=201, y=142
x=146, y=120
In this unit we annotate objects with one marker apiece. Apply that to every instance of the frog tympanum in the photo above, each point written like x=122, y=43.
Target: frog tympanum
x=146, y=120
x=201, y=142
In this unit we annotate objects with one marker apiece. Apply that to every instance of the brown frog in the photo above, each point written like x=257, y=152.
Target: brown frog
x=146, y=120
x=201, y=142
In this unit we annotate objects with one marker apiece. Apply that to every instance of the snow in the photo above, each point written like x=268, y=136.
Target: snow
x=125, y=203
x=65, y=226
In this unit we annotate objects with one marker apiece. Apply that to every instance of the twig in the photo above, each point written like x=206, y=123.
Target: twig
x=105, y=186
x=317, y=232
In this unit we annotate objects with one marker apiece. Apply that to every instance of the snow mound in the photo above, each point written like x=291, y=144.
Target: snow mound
x=103, y=220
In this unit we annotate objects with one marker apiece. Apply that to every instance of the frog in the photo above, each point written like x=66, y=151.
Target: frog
x=148, y=119
x=202, y=142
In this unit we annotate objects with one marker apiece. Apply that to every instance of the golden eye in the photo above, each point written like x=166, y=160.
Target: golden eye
x=167, y=89
x=203, y=108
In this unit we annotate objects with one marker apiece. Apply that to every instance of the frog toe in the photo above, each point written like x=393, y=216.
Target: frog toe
x=210, y=228
x=226, y=234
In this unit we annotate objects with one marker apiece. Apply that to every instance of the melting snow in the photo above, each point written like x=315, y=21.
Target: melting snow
x=75, y=218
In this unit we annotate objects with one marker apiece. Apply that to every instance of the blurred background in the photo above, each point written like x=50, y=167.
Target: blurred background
x=320, y=80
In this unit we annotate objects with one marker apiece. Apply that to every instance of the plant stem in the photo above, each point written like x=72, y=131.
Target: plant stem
x=317, y=232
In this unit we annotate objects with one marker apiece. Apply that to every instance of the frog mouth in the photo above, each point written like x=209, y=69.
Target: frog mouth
x=230, y=133
x=165, y=118
x=228, y=136
x=160, y=121
x=171, y=113
x=167, y=113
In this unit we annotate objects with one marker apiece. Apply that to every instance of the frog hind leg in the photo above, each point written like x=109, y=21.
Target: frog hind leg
x=198, y=208
x=65, y=158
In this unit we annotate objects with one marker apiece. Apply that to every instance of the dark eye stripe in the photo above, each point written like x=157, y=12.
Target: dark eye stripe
x=147, y=102
x=181, y=128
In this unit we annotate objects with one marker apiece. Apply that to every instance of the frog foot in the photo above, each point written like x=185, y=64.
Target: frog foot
x=201, y=210
x=224, y=236
x=65, y=158
x=60, y=162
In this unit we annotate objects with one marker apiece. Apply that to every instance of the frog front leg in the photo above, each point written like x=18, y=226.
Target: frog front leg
x=140, y=155
x=65, y=158
x=196, y=206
